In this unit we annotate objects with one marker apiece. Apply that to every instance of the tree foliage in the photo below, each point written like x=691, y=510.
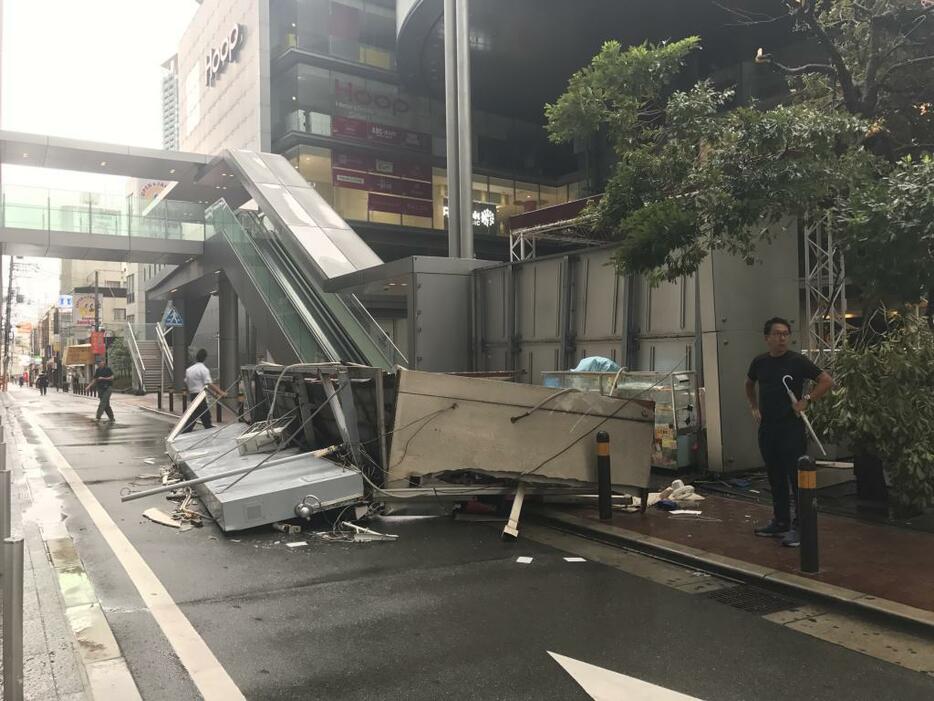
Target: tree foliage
x=883, y=401
x=695, y=174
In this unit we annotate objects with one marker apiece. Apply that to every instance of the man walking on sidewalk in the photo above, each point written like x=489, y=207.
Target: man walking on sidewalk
x=782, y=437
x=197, y=378
x=103, y=380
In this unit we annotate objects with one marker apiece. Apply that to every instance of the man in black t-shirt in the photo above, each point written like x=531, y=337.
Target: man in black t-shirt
x=103, y=379
x=782, y=437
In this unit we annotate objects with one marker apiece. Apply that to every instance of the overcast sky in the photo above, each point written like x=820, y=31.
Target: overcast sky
x=87, y=69
x=83, y=69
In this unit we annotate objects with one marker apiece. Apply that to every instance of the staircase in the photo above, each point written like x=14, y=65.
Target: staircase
x=151, y=356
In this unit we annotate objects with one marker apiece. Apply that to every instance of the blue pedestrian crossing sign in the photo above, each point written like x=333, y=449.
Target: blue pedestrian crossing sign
x=173, y=318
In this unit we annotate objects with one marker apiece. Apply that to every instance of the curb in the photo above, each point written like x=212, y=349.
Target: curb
x=734, y=569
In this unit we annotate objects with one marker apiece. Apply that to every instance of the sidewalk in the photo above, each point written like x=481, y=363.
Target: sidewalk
x=881, y=568
x=69, y=651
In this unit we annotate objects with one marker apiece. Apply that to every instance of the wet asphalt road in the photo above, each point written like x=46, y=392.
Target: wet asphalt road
x=443, y=613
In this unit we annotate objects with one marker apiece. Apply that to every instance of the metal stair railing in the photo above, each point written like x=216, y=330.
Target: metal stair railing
x=138, y=365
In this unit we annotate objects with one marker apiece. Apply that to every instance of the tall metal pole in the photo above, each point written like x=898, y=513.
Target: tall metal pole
x=464, y=131
x=451, y=123
x=97, y=305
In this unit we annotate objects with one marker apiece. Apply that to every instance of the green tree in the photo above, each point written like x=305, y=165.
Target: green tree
x=119, y=357
x=694, y=174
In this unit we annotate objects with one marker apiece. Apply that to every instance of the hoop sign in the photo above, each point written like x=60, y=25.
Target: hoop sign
x=217, y=59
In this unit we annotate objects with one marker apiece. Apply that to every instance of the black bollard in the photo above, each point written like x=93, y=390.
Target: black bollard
x=184, y=402
x=218, y=404
x=159, y=401
x=604, y=490
x=171, y=402
x=807, y=514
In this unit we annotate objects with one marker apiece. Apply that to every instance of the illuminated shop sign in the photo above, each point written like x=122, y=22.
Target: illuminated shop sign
x=218, y=58
x=483, y=214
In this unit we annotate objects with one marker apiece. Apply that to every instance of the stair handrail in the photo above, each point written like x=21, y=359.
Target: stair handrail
x=138, y=365
x=167, y=360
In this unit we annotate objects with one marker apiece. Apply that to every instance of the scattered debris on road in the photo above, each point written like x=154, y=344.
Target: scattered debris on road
x=163, y=519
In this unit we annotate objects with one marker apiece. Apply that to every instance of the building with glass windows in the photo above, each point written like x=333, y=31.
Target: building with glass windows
x=351, y=91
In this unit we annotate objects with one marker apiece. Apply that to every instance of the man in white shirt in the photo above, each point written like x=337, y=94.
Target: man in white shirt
x=197, y=378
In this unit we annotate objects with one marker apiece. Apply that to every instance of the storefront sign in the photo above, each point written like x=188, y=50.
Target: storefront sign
x=353, y=96
x=383, y=203
x=218, y=58
x=65, y=303
x=360, y=130
x=484, y=215
x=84, y=310
x=418, y=208
x=350, y=179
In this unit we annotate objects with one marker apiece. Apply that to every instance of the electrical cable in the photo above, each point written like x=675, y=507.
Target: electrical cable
x=284, y=443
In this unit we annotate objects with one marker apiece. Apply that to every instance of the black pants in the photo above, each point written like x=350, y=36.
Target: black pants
x=203, y=412
x=781, y=444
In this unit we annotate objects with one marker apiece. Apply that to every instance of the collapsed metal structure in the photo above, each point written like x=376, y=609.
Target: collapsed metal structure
x=325, y=436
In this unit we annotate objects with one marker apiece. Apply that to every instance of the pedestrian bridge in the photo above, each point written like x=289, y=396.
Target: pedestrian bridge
x=97, y=226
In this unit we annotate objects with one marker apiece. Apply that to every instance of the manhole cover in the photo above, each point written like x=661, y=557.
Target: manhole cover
x=746, y=597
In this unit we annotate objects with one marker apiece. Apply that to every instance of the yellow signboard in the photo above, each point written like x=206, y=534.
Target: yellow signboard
x=79, y=355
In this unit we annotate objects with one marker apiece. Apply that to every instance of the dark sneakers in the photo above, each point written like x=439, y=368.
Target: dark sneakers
x=773, y=530
x=792, y=539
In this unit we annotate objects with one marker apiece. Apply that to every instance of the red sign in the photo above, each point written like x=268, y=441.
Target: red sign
x=417, y=208
x=97, y=343
x=413, y=188
x=349, y=128
x=382, y=203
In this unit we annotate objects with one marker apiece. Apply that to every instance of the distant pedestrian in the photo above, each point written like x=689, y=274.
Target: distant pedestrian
x=103, y=380
x=198, y=378
x=782, y=437
x=22, y=380
x=42, y=382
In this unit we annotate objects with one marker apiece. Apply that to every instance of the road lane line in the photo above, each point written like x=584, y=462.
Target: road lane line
x=196, y=657
x=605, y=685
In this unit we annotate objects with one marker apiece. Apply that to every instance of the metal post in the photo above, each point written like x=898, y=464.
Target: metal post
x=228, y=336
x=604, y=490
x=97, y=304
x=13, y=619
x=451, y=122
x=171, y=402
x=6, y=499
x=179, y=348
x=807, y=514
x=464, y=132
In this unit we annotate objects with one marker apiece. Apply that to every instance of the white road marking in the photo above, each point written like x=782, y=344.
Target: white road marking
x=604, y=685
x=205, y=670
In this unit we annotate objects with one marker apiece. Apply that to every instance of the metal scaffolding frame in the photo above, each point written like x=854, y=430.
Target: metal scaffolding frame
x=571, y=232
x=824, y=292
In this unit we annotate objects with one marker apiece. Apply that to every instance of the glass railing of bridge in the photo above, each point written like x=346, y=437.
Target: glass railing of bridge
x=26, y=207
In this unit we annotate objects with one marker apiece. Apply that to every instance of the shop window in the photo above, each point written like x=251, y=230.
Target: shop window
x=119, y=314
x=552, y=195
x=527, y=196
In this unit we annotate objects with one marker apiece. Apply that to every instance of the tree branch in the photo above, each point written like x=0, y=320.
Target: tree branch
x=822, y=68
x=843, y=74
x=903, y=64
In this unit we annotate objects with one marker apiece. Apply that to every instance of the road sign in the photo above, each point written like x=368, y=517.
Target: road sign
x=173, y=318
x=65, y=302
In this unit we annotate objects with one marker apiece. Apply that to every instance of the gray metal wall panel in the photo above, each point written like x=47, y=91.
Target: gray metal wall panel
x=736, y=299
x=493, y=318
x=442, y=302
x=599, y=308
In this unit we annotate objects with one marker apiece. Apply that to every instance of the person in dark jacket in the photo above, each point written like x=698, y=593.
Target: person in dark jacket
x=782, y=436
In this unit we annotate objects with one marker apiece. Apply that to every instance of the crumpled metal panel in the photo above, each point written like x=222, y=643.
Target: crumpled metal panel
x=445, y=422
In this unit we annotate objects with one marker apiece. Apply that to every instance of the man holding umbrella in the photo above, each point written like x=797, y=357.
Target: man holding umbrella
x=782, y=437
